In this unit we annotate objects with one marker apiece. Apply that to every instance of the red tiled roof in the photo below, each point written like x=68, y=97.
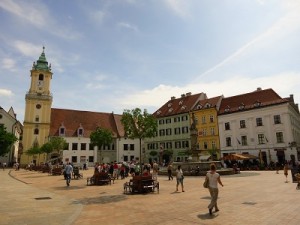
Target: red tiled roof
x=89, y=121
x=258, y=98
x=180, y=105
x=211, y=101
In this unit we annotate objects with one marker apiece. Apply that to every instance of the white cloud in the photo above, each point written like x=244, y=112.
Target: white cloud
x=36, y=14
x=284, y=84
x=128, y=26
x=179, y=7
x=27, y=49
x=283, y=27
x=9, y=64
x=97, y=16
x=5, y=92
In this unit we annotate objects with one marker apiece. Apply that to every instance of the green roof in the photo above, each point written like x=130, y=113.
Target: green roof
x=41, y=63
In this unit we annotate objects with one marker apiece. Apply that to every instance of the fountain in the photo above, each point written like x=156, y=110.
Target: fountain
x=194, y=167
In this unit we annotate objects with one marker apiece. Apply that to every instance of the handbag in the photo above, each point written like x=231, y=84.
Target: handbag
x=205, y=184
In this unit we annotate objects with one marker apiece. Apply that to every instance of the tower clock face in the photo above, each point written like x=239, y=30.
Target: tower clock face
x=40, y=83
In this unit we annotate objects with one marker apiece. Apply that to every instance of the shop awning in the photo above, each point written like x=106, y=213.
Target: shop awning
x=204, y=157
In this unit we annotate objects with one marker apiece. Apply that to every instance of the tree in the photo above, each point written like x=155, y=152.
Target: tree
x=139, y=125
x=58, y=143
x=101, y=137
x=35, y=150
x=6, y=140
x=47, y=148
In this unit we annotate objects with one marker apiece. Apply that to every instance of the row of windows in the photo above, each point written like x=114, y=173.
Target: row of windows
x=177, y=130
x=168, y=145
x=262, y=139
x=175, y=119
x=259, y=122
x=86, y=146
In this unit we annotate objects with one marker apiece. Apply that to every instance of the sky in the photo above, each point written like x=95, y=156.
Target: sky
x=111, y=55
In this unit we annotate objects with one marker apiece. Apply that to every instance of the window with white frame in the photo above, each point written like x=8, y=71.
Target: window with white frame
x=203, y=119
x=242, y=124
x=277, y=119
x=177, y=130
x=227, y=126
x=211, y=118
x=279, y=137
x=83, y=146
x=213, y=144
x=261, y=139
x=169, y=131
x=259, y=122
x=185, y=130
x=244, y=140
x=228, y=141
x=212, y=131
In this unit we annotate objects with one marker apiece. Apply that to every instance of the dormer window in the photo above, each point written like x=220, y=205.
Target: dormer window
x=158, y=112
x=227, y=109
x=207, y=105
x=80, y=131
x=170, y=110
x=183, y=107
x=257, y=103
x=199, y=106
x=242, y=106
x=62, y=130
x=180, y=103
x=169, y=105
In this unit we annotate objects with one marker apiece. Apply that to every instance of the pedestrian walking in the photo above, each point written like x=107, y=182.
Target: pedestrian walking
x=68, y=172
x=155, y=171
x=213, y=180
x=179, y=178
x=285, y=171
x=170, y=171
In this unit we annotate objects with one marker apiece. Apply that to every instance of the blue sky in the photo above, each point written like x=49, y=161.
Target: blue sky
x=120, y=54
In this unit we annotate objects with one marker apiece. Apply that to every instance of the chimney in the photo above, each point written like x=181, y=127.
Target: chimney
x=258, y=89
x=183, y=95
x=173, y=97
x=188, y=94
x=292, y=98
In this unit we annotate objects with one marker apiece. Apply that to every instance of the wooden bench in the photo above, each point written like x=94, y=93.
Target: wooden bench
x=99, y=179
x=56, y=171
x=141, y=184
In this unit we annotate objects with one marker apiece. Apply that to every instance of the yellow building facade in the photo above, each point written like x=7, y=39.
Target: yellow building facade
x=206, y=116
x=38, y=102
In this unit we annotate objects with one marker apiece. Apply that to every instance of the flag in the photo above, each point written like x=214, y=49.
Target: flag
x=238, y=141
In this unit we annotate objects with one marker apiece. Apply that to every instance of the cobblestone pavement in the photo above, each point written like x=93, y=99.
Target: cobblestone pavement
x=252, y=197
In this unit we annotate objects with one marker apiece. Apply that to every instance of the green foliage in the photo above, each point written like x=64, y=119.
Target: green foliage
x=139, y=125
x=153, y=153
x=58, y=143
x=47, y=148
x=101, y=137
x=6, y=140
x=35, y=150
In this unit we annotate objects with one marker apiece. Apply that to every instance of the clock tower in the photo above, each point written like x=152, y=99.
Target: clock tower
x=38, y=101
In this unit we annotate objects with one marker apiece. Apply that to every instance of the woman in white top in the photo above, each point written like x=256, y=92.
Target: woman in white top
x=214, y=179
x=179, y=178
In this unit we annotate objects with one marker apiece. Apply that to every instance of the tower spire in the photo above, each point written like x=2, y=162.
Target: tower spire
x=41, y=63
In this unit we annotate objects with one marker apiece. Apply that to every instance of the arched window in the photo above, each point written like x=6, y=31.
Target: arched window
x=36, y=131
x=41, y=76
